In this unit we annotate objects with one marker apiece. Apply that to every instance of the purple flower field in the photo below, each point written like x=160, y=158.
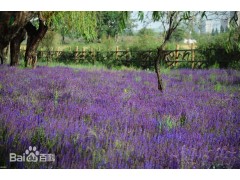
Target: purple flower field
x=118, y=119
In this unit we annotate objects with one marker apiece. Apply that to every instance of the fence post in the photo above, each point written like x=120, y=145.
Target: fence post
x=93, y=55
x=52, y=54
x=58, y=52
x=76, y=54
x=192, y=55
x=90, y=53
x=176, y=54
x=98, y=54
x=128, y=54
x=41, y=53
x=83, y=53
x=117, y=52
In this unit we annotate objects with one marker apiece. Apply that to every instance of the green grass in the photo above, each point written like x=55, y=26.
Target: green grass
x=96, y=66
x=72, y=65
x=84, y=66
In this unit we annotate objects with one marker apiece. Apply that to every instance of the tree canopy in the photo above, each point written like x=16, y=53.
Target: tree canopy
x=37, y=23
x=75, y=23
x=108, y=23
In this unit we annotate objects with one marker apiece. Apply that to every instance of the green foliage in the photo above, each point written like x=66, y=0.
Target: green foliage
x=215, y=66
x=216, y=50
x=111, y=23
x=138, y=79
x=56, y=96
x=235, y=64
x=170, y=46
x=146, y=39
x=108, y=43
x=3, y=132
x=87, y=24
x=168, y=122
x=183, y=120
x=50, y=40
x=74, y=23
x=107, y=24
x=178, y=35
x=213, y=77
x=146, y=32
x=218, y=87
x=39, y=136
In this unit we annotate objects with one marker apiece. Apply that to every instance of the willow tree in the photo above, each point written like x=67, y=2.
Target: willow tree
x=108, y=23
x=81, y=23
x=15, y=25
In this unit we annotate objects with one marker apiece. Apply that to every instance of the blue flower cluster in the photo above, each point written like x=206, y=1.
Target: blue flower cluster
x=118, y=119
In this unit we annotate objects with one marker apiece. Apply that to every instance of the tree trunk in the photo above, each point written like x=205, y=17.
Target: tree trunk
x=10, y=24
x=1, y=56
x=31, y=53
x=15, y=47
x=5, y=54
x=160, y=55
x=34, y=38
x=3, y=50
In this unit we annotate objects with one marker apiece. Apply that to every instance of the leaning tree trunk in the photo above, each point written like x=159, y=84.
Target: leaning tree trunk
x=15, y=47
x=34, y=38
x=160, y=55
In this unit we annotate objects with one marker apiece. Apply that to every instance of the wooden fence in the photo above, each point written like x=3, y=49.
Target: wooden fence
x=190, y=57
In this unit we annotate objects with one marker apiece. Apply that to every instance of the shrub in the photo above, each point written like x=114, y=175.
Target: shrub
x=217, y=50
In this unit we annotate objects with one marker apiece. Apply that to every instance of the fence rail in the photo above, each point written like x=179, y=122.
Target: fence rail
x=144, y=59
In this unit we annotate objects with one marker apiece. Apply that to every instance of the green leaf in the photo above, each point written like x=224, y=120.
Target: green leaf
x=203, y=15
x=140, y=15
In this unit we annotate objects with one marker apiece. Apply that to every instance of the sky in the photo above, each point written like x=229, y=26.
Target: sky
x=151, y=25
x=157, y=25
